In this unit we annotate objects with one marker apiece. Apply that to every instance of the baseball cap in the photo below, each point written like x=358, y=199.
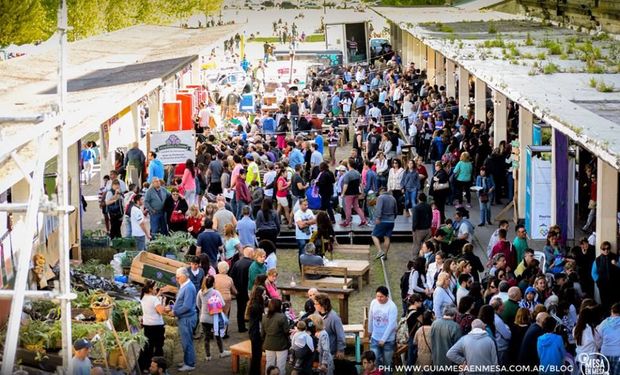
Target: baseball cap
x=80, y=344
x=249, y=156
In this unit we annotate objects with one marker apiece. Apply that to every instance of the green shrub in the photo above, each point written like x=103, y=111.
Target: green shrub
x=603, y=87
x=593, y=82
x=492, y=29
x=528, y=40
x=550, y=68
x=541, y=56
x=594, y=68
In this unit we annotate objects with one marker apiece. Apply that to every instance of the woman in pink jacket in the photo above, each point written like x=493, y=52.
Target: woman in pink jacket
x=189, y=182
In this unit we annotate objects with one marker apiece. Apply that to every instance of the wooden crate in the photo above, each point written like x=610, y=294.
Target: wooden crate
x=149, y=266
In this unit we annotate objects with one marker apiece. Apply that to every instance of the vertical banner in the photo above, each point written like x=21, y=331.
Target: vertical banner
x=560, y=148
x=541, y=194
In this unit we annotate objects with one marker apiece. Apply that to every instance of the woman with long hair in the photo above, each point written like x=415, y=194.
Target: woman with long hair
x=587, y=338
x=271, y=284
x=518, y=330
x=324, y=238
x=450, y=266
x=194, y=221
x=395, y=177
x=275, y=335
x=152, y=323
x=423, y=341
x=325, y=182
x=267, y=222
x=440, y=189
x=211, y=305
x=188, y=182
x=463, y=175
x=254, y=314
x=232, y=245
x=487, y=315
x=281, y=131
x=282, y=187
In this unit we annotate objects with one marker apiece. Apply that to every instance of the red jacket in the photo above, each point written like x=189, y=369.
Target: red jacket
x=242, y=193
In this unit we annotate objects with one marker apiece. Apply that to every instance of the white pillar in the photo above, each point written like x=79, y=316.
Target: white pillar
x=500, y=118
x=481, y=100
x=440, y=69
x=406, y=54
x=463, y=91
x=196, y=72
x=450, y=79
x=411, y=49
x=525, y=139
x=154, y=104
x=606, y=204
x=431, y=69
x=75, y=198
x=136, y=120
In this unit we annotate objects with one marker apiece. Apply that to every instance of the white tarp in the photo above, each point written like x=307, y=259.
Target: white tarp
x=174, y=147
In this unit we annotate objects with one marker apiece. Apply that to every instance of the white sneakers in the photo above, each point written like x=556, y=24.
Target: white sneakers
x=186, y=368
x=225, y=353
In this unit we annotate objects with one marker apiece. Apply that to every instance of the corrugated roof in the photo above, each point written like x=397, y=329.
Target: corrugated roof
x=106, y=73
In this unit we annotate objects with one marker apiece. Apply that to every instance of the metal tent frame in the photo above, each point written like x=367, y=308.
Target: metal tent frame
x=37, y=203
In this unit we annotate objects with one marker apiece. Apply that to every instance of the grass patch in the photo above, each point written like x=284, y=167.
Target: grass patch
x=494, y=43
x=551, y=68
x=444, y=28
x=541, y=56
x=527, y=55
x=593, y=82
x=492, y=29
x=594, y=68
x=313, y=38
x=603, y=87
x=601, y=37
x=528, y=40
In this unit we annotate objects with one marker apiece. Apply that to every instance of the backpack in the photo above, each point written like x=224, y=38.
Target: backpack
x=402, y=332
x=214, y=304
x=116, y=208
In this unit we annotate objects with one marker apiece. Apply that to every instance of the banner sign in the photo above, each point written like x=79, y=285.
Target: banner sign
x=538, y=192
x=174, y=147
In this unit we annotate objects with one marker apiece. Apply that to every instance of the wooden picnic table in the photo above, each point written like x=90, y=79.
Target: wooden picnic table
x=341, y=294
x=357, y=269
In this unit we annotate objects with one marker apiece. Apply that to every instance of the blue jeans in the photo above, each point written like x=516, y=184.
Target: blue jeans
x=485, y=211
x=186, y=329
x=412, y=353
x=239, y=209
x=510, y=188
x=158, y=224
x=410, y=199
x=140, y=242
x=384, y=354
x=300, y=246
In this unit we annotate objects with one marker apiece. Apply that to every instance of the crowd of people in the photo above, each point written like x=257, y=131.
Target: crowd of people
x=278, y=170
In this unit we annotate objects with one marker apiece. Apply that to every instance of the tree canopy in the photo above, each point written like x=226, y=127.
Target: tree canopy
x=29, y=21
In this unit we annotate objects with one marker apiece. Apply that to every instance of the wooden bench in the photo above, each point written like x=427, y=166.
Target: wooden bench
x=335, y=277
x=244, y=350
x=341, y=294
x=362, y=250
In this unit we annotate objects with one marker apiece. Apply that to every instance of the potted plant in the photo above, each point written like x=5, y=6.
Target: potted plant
x=34, y=336
x=170, y=246
x=102, y=305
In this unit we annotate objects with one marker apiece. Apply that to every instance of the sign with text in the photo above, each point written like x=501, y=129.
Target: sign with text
x=174, y=147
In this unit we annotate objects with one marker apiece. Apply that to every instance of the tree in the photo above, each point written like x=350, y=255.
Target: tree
x=210, y=7
x=22, y=21
x=121, y=14
x=87, y=17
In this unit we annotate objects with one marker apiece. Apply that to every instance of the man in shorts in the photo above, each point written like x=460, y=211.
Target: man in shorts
x=386, y=211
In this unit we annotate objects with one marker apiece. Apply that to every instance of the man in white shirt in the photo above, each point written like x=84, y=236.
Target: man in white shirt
x=382, y=323
x=139, y=231
x=203, y=116
x=269, y=179
x=305, y=224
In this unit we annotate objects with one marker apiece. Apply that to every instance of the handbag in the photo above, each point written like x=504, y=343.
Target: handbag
x=440, y=185
x=484, y=196
x=177, y=217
